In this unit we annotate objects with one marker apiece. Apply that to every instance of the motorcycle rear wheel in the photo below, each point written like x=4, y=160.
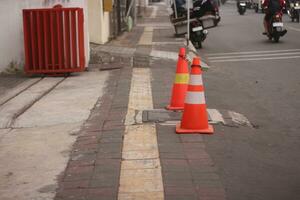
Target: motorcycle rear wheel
x=199, y=45
x=276, y=38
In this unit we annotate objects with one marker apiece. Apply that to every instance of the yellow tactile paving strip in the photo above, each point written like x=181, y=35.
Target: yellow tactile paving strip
x=146, y=38
x=141, y=176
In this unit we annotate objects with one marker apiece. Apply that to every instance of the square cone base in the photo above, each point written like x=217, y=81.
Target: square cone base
x=179, y=130
x=173, y=108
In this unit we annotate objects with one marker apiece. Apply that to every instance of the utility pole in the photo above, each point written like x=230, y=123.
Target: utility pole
x=188, y=22
x=119, y=16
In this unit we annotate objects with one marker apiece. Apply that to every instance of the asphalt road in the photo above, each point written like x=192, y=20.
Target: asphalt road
x=261, y=80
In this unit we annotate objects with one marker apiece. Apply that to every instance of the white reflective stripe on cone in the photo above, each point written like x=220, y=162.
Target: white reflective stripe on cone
x=195, y=98
x=196, y=80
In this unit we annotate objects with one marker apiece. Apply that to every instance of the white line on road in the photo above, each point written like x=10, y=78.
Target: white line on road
x=292, y=28
x=251, y=52
x=252, y=56
x=254, y=59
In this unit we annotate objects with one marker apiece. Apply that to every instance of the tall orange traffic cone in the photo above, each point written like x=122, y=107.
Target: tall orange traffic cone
x=194, y=118
x=180, y=83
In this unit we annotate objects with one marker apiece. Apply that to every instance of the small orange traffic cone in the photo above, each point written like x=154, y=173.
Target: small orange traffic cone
x=194, y=118
x=180, y=83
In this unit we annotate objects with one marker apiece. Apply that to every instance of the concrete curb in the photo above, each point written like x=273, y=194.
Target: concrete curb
x=192, y=52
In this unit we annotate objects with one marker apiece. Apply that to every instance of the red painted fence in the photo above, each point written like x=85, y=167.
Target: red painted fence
x=53, y=40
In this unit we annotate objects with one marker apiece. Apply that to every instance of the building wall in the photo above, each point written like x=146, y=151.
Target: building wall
x=11, y=33
x=98, y=22
x=143, y=3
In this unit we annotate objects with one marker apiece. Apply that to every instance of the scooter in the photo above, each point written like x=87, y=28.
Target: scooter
x=242, y=7
x=275, y=27
x=294, y=11
x=197, y=33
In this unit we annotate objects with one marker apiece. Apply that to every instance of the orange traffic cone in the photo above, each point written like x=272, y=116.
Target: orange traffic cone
x=180, y=83
x=194, y=118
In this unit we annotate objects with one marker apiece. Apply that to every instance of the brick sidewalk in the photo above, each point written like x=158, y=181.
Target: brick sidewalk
x=93, y=171
x=94, y=167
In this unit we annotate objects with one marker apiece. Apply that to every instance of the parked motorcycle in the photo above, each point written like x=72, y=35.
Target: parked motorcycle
x=200, y=8
x=202, y=16
x=197, y=33
x=294, y=11
x=275, y=27
x=242, y=7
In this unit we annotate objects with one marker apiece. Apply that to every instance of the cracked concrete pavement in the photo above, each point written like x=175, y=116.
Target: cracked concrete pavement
x=39, y=123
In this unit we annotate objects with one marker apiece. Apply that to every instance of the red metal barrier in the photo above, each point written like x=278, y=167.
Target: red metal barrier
x=53, y=40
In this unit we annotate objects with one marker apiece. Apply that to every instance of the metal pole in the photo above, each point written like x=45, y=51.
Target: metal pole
x=119, y=16
x=175, y=8
x=188, y=22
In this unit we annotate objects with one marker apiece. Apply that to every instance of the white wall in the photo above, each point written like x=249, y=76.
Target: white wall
x=143, y=3
x=98, y=22
x=11, y=32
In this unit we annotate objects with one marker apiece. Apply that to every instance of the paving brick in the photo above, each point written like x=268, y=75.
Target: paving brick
x=200, y=162
x=193, y=146
x=170, y=147
x=140, y=185
x=87, y=150
x=87, y=143
x=161, y=138
x=196, y=155
x=181, y=197
x=113, y=125
x=203, y=169
x=179, y=191
x=109, y=155
x=110, y=166
x=89, y=133
x=211, y=193
x=109, y=151
x=175, y=182
x=94, y=127
x=110, y=147
x=183, y=175
x=164, y=155
x=141, y=195
x=85, y=147
x=116, y=116
x=104, y=182
x=105, y=176
x=207, y=183
x=78, y=173
x=74, y=185
x=111, y=139
x=71, y=194
x=109, y=162
x=175, y=165
x=87, y=138
x=82, y=160
x=135, y=155
x=109, y=193
x=141, y=164
x=191, y=138
x=202, y=176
